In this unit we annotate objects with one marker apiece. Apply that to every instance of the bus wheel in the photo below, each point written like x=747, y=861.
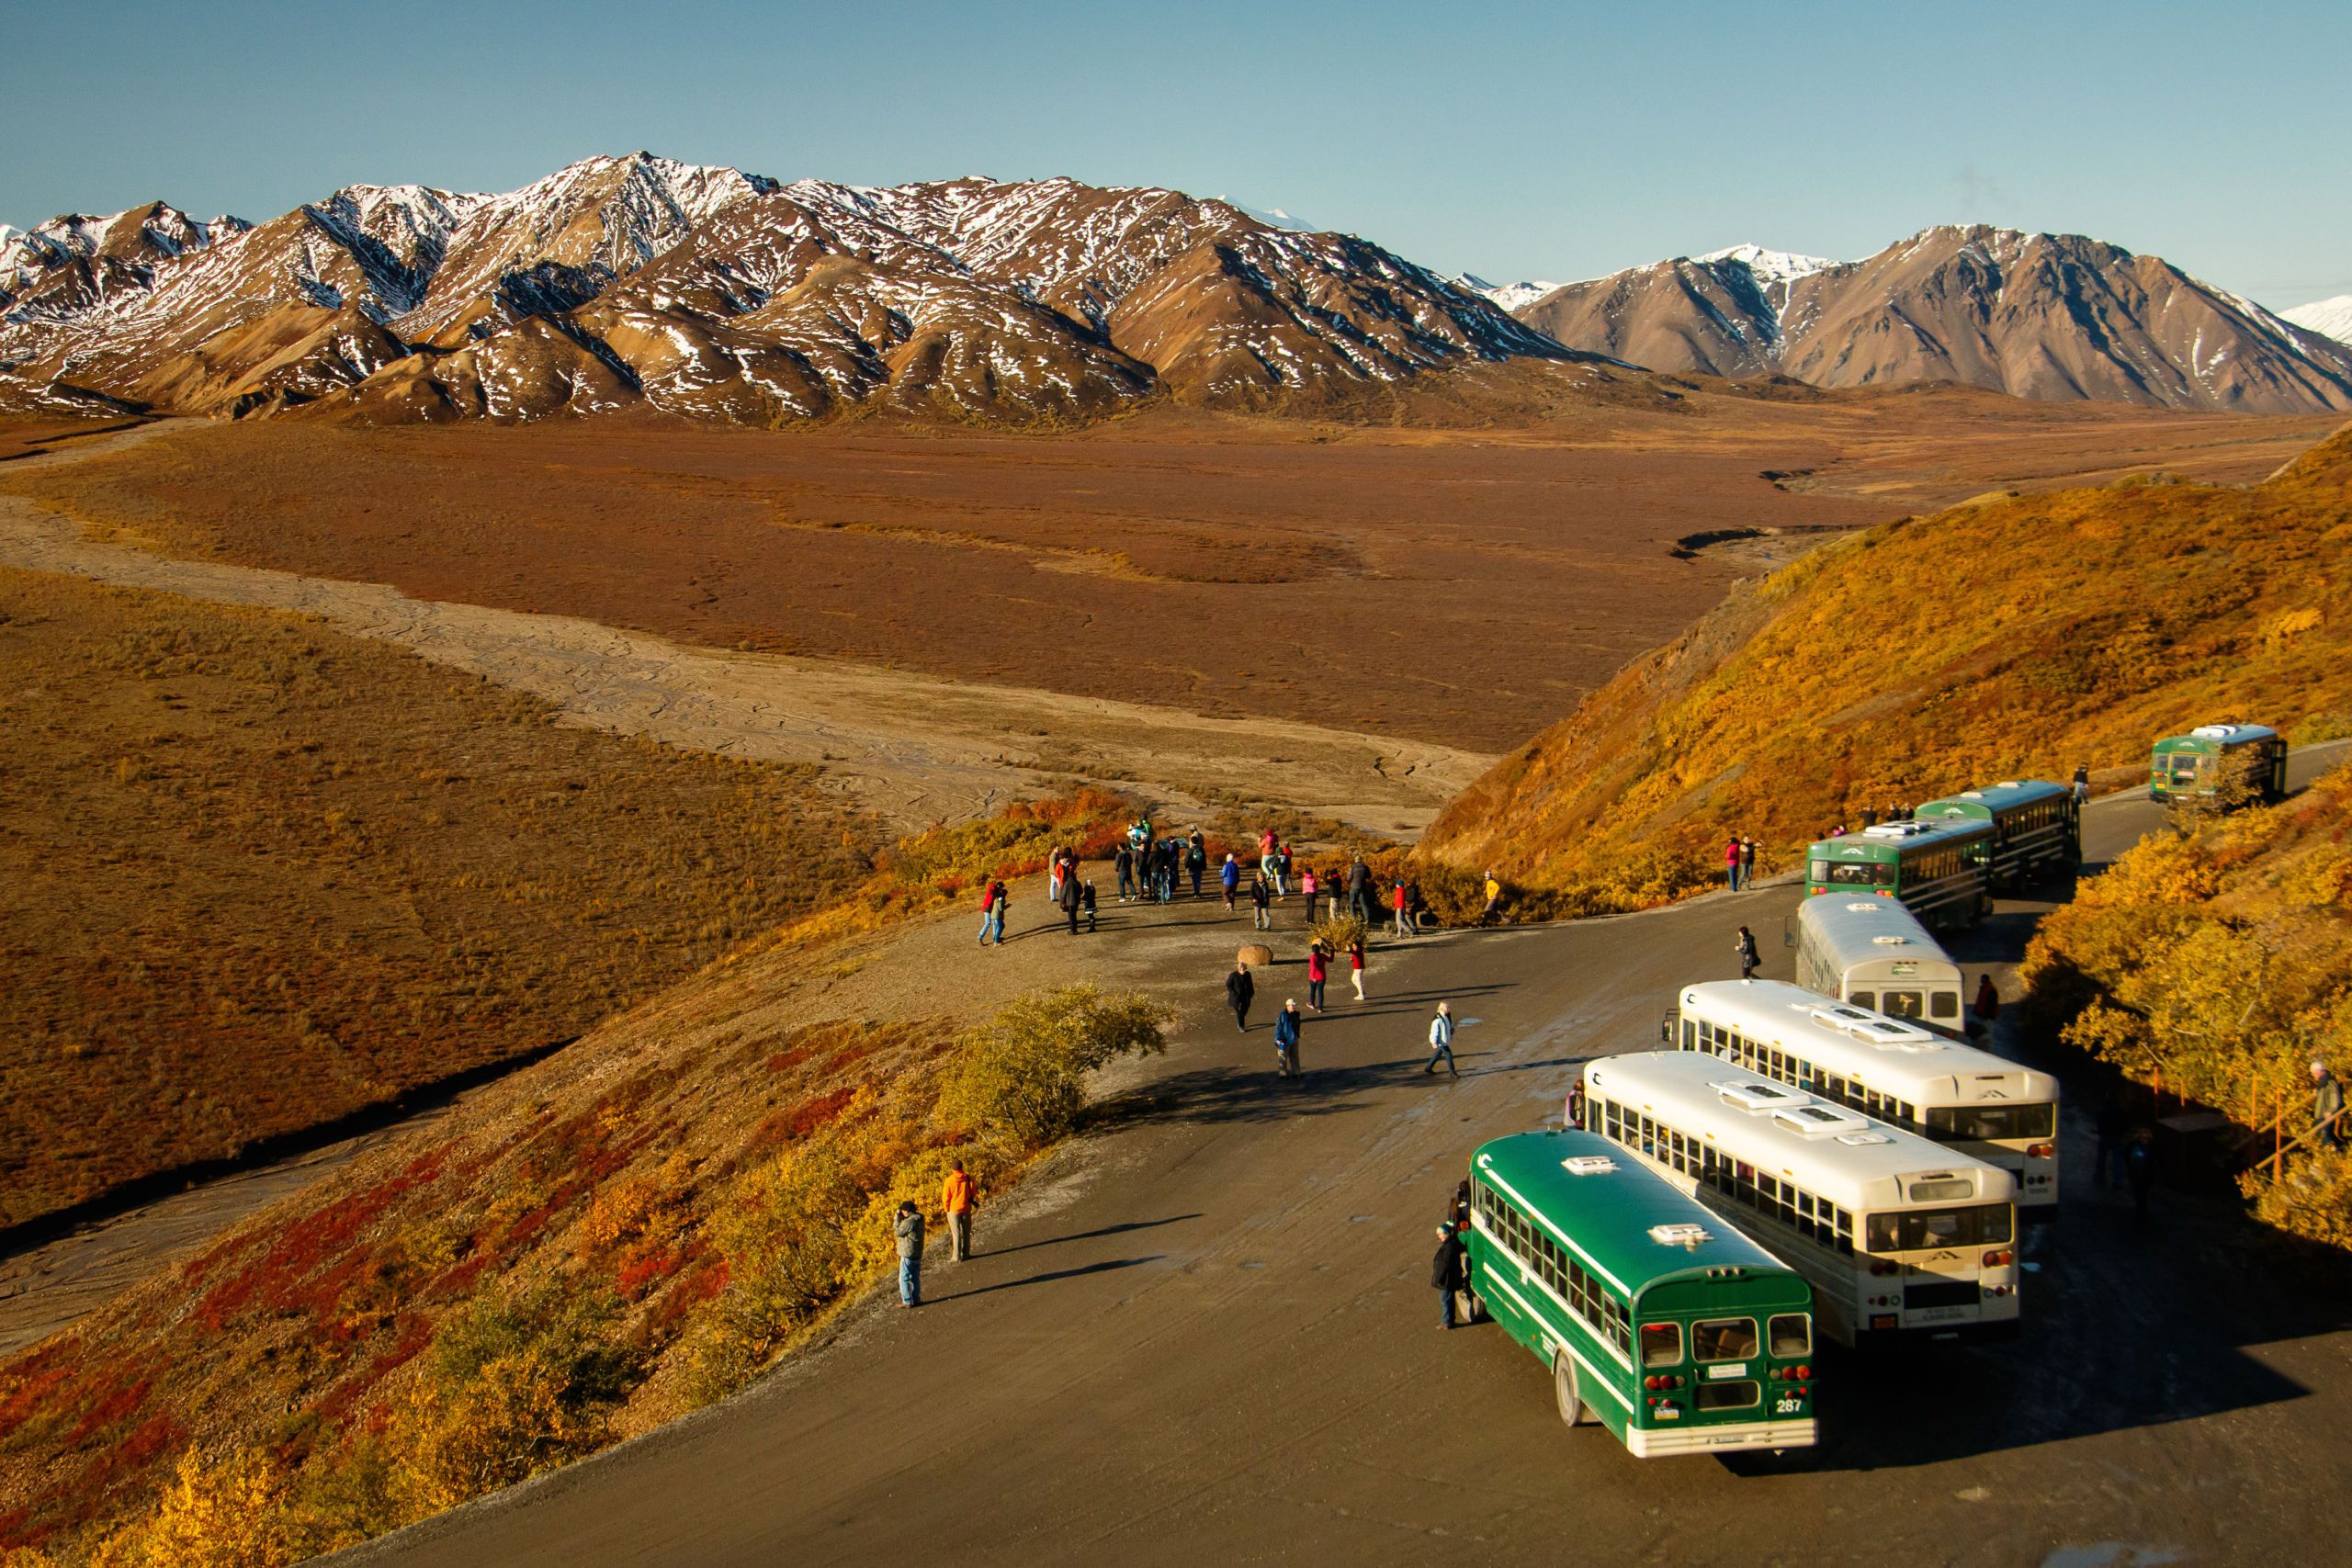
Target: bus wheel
x=1564, y=1386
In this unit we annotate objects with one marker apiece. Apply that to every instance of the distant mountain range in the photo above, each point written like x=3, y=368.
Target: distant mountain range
x=638, y=282
x=2331, y=318
x=2051, y=316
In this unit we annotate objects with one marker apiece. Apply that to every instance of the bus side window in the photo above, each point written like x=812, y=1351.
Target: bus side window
x=1689, y=1035
x=1943, y=1004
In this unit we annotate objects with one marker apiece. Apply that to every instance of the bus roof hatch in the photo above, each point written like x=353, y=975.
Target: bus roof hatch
x=1751, y=1095
x=1811, y=1120
x=1681, y=1235
x=1588, y=1165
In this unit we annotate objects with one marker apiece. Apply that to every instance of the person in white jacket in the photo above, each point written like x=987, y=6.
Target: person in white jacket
x=1441, y=1040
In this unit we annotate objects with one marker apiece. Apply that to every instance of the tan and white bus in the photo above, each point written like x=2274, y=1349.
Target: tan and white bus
x=1874, y=954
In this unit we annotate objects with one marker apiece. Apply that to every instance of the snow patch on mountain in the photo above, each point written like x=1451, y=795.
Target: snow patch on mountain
x=1271, y=216
x=2329, y=318
x=1506, y=296
x=1768, y=268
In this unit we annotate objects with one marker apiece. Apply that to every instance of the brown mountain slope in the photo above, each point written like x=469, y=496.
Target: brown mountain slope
x=2012, y=638
x=2052, y=316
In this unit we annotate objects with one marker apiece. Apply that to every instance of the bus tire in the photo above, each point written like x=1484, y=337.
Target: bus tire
x=1564, y=1390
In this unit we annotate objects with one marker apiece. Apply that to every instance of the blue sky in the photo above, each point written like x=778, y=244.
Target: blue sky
x=1559, y=141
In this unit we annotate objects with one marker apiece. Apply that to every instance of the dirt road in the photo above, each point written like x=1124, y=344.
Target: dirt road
x=1218, y=1345
x=914, y=747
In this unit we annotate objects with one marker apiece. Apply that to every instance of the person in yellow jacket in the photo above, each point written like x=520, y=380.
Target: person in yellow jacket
x=957, y=1196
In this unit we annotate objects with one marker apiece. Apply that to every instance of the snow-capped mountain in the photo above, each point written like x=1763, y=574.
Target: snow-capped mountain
x=710, y=292
x=1271, y=216
x=1508, y=295
x=2329, y=318
x=2052, y=316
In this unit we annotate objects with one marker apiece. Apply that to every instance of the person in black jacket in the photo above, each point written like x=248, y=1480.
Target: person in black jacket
x=1239, y=989
x=1448, y=1270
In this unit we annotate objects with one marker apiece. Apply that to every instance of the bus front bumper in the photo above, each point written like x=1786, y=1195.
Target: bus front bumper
x=1652, y=1442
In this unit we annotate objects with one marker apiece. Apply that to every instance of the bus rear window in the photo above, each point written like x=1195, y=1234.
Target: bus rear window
x=1790, y=1334
x=1661, y=1344
x=1953, y=1123
x=1976, y=1225
x=1863, y=999
x=1902, y=1004
x=1723, y=1339
x=1943, y=1004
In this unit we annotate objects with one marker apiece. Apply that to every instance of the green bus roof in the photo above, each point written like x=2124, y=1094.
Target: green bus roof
x=1610, y=1213
x=2215, y=738
x=1887, y=840
x=1991, y=800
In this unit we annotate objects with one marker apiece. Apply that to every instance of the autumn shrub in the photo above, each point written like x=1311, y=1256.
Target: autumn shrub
x=2312, y=1200
x=1021, y=1077
x=229, y=1512
x=1340, y=932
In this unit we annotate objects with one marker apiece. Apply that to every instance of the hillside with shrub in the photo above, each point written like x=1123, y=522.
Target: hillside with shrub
x=2014, y=636
x=2216, y=964
x=592, y=1246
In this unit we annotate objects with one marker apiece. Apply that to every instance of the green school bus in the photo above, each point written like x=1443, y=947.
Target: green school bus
x=2225, y=765
x=2036, y=827
x=1658, y=1320
x=1941, y=870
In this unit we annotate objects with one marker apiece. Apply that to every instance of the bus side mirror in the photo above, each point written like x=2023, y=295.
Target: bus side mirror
x=1666, y=1029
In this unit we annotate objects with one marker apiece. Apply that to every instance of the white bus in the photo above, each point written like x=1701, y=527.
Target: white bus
x=1874, y=954
x=1945, y=1090
x=1900, y=1238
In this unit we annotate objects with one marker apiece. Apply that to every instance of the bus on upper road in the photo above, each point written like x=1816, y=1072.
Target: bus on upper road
x=1873, y=952
x=1945, y=1090
x=2037, y=827
x=1902, y=1239
x=1938, y=869
x=1659, y=1321
x=2224, y=765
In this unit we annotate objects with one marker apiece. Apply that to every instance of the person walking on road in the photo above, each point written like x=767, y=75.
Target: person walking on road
x=1355, y=966
x=1287, y=1029
x=1318, y=971
x=1494, y=897
x=1441, y=1041
x=2140, y=1170
x=1231, y=878
x=1447, y=1273
x=1745, y=945
x=1404, y=915
x=909, y=1226
x=1086, y=901
x=2327, y=1108
x=1239, y=991
x=992, y=902
x=1069, y=902
x=957, y=1196
x=1307, y=889
x=1360, y=890
x=1196, y=859
x=1985, y=1008
x=1260, y=908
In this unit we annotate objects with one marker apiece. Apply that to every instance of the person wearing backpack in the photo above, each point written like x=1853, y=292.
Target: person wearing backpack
x=1441, y=1041
x=1745, y=945
x=1196, y=860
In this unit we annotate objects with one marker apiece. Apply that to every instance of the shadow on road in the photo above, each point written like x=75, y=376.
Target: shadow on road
x=1052, y=1274
x=1090, y=1235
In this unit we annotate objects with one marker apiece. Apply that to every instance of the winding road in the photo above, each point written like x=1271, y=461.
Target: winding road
x=1211, y=1341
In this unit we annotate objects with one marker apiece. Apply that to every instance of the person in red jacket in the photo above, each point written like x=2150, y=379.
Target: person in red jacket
x=1397, y=902
x=1318, y=970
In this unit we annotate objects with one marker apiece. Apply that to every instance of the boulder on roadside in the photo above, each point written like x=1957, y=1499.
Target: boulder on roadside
x=1256, y=954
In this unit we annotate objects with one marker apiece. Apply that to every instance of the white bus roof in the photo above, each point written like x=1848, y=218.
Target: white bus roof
x=1851, y=1159
x=1869, y=931
x=1892, y=1056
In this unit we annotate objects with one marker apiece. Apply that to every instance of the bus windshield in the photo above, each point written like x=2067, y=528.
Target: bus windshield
x=1974, y=1224
x=1962, y=1124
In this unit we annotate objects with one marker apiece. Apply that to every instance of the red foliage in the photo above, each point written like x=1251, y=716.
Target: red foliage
x=783, y=1061
x=118, y=1403
x=642, y=1273
x=30, y=1381
x=814, y=1112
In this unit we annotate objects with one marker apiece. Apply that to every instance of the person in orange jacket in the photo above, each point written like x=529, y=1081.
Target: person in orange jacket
x=956, y=1195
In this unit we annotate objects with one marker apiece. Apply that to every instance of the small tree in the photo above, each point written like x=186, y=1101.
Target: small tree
x=1019, y=1078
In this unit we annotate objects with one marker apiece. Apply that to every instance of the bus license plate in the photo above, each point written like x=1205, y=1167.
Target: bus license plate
x=1939, y=1314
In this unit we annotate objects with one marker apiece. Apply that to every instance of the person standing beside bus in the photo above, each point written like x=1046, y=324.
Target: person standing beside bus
x=1441, y=1041
x=1287, y=1030
x=1987, y=1007
x=1745, y=944
x=1447, y=1273
x=957, y=1195
x=1238, y=991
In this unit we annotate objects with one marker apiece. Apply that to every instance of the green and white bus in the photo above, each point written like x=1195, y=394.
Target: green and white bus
x=1945, y=1090
x=2224, y=765
x=2037, y=827
x=1874, y=954
x=1659, y=1321
x=1938, y=869
x=1902, y=1239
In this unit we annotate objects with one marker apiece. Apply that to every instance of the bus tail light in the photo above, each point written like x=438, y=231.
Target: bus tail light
x=1997, y=1259
x=1805, y=1374
x=2041, y=1151
x=1882, y=1266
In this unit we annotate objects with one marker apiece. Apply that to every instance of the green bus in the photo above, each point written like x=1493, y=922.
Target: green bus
x=1941, y=870
x=2037, y=827
x=2224, y=765
x=1658, y=1320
